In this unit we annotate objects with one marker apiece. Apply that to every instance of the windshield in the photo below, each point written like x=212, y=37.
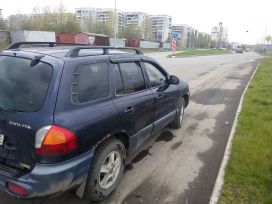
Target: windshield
x=22, y=87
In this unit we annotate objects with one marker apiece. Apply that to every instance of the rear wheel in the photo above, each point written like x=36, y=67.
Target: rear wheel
x=177, y=122
x=106, y=170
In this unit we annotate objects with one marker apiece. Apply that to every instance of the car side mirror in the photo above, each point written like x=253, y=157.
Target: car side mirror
x=173, y=80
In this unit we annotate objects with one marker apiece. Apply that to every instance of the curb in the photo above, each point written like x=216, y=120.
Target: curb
x=220, y=177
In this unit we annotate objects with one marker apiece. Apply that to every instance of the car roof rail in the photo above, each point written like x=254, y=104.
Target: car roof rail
x=50, y=44
x=74, y=52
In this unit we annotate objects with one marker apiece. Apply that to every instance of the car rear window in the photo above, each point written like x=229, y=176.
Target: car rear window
x=22, y=87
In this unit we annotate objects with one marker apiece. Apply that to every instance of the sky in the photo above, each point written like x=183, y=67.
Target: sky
x=248, y=21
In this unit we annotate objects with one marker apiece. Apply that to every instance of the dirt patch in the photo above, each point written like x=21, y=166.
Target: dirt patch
x=201, y=116
x=191, y=128
x=176, y=145
x=213, y=96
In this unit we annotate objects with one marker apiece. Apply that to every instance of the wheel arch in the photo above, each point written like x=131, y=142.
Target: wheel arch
x=123, y=137
x=186, y=99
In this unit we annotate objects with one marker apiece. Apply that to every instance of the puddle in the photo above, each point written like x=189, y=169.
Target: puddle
x=129, y=167
x=214, y=96
x=165, y=136
x=141, y=155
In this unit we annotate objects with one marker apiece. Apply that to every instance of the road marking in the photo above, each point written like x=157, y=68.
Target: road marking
x=220, y=177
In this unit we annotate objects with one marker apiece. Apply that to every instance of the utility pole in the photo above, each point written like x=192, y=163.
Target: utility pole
x=115, y=23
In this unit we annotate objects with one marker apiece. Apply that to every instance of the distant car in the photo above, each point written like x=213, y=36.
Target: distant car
x=71, y=117
x=247, y=50
x=239, y=50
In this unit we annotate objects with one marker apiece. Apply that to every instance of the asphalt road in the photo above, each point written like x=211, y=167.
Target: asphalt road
x=181, y=166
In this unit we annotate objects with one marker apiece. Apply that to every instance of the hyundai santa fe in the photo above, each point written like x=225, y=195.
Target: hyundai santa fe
x=71, y=116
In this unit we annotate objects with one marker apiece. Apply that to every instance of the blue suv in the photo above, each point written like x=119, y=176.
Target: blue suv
x=70, y=117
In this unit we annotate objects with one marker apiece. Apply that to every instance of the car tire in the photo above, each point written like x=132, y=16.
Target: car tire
x=177, y=122
x=103, y=168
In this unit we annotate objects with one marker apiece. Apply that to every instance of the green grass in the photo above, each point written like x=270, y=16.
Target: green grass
x=248, y=177
x=199, y=53
x=266, y=54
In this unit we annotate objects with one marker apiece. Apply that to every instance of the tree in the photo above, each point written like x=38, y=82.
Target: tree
x=213, y=44
x=169, y=39
x=101, y=27
x=130, y=32
x=268, y=38
x=57, y=20
x=3, y=25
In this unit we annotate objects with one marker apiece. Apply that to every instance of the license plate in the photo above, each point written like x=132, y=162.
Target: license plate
x=2, y=137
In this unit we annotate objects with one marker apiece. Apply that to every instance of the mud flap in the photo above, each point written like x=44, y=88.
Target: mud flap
x=81, y=188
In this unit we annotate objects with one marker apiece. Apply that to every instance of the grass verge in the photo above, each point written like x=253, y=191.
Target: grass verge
x=199, y=53
x=248, y=177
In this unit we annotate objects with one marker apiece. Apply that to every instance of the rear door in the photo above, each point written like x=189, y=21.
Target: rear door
x=24, y=108
x=134, y=101
x=165, y=94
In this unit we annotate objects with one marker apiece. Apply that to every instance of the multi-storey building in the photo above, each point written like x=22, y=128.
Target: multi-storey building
x=139, y=21
x=219, y=34
x=18, y=20
x=186, y=35
x=177, y=30
x=161, y=27
x=87, y=15
x=1, y=15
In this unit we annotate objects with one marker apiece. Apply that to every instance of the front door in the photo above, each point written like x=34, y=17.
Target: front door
x=165, y=95
x=134, y=101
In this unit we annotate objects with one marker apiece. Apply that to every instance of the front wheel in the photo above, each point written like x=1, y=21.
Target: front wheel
x=177, y=122
x=106, y=170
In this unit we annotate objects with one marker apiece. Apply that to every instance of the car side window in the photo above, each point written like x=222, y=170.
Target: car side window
x=119, y=86
x=155, y=76
x=91, y=82
x=132, y=76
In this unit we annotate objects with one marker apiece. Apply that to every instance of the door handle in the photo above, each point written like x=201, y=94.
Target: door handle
x=129, y=109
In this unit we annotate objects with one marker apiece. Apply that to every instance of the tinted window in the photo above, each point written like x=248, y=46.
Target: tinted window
x=155, y=76
x=119, y=86
x=23, y=88
x=133, y=77
x=91, y=82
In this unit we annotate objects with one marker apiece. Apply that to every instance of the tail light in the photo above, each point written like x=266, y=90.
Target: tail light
x=54, y=141
x=16, y=189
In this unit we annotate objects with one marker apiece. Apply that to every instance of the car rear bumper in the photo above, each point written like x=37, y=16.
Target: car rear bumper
x=50, y=179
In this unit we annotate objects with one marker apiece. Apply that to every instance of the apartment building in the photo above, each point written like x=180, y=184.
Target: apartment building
x=103, y=15
x=140, y=21
x=219, y=34
x=1, y=15
x=177, y=30
x=186, y=35
x=161, y=27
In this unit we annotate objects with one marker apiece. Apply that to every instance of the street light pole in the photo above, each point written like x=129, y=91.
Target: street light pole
x=115, y=23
